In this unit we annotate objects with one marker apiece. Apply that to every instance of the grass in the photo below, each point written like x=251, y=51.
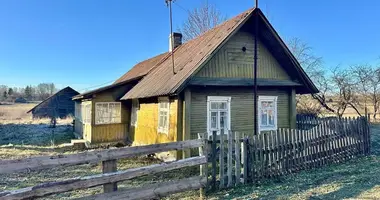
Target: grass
x=355, y=179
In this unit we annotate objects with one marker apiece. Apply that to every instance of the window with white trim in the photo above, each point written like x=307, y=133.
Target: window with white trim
x=107, y=112
x=267, y=113
x=163, y=115
x=134, y=110
x=218, y=114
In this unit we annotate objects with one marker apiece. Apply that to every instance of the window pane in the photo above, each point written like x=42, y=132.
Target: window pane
x=223, y=105
x=264, y=117
x=214, y=116
x=214, y=105
x=223, y=120
x=270, y=117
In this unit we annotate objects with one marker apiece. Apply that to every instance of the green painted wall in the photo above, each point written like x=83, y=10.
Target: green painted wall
x=241, y=107
x=231, y=62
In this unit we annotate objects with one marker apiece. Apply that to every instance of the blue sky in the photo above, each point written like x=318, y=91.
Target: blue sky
x=88, y=43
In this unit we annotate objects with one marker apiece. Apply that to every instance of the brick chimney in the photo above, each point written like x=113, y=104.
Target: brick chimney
x=177, y=40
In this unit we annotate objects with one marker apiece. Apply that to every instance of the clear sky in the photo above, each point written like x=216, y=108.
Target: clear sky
x=87, y=43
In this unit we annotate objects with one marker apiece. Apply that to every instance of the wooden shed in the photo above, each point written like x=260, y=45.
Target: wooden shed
x=58, y=105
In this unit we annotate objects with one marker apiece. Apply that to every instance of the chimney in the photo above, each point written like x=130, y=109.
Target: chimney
x=177, y=40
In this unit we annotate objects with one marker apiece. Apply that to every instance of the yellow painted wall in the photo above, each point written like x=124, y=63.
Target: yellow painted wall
x=103, y=133
x=146, y=131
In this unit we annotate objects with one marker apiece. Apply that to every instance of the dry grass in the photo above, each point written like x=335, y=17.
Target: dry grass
x=355, y=179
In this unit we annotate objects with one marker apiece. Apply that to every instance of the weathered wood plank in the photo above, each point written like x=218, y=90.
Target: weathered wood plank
x=221, y=160
x=214, y=158
x=245, y=160
x=229, y=158
x=154, y=191
x=44, y=162
x=203, y=169
x=96, y=180
x=109, y=166
x=237, y=158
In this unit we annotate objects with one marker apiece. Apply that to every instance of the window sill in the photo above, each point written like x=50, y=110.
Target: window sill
x=268, y=128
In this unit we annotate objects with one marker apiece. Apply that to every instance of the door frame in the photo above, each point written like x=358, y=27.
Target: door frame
x=218, y=99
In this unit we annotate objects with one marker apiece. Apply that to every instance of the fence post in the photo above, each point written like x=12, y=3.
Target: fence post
x=203, y=151
x=109, y=166
x=229, y=158
x=221, y=160
x=213, y=147
x=245, y=159
x=237, y=158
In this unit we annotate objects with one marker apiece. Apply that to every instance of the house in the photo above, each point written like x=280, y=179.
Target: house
x=209, y=88
x=59, y=105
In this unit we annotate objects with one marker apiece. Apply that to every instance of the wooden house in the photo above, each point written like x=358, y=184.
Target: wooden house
x=209, y=89
x=59, y=105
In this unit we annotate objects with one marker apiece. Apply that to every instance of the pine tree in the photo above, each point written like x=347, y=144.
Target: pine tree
x=28, y=92
x=10, y=92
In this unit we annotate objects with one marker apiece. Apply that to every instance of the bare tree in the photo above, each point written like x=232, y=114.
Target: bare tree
x=314, y=103
x=200, y=20
x=345, y=92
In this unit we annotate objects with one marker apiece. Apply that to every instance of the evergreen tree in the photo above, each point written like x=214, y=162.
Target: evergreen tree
x=28, y=92
x=10, y=92
x=5, y=95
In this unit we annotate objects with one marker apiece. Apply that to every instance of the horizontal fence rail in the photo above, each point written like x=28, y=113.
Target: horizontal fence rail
x=110, y=175
x=237, y=158
x=45, y=162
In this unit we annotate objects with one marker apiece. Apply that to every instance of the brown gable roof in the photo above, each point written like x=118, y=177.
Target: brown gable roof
x=142, y=68
x=187, y=58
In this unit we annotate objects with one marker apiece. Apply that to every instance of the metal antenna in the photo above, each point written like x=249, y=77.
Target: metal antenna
x=169, y=4
x=256, y=15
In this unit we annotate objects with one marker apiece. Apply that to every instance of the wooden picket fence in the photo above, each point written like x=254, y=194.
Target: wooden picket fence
x=110, y=176
x=237, y=158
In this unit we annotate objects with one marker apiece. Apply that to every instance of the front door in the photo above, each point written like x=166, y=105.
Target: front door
x=218, y=115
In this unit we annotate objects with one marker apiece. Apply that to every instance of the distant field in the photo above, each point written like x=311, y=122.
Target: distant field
x=18, y=127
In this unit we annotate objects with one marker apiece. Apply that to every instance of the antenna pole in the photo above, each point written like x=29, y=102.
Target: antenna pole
x=256, y=15
x=257, y=3
x=169, y=3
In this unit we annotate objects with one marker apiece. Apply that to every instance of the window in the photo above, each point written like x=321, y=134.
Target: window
x=108, y=113
x=218, y=114
x=267, y=112
x=86, y=113
x=78, y=111
x=163, y=115
x=135, y=108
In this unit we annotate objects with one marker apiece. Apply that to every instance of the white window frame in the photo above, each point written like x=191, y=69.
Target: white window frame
x=134, y=112
x=163, y=129
x=267, y=98
x=108, y=103
x=218, y=99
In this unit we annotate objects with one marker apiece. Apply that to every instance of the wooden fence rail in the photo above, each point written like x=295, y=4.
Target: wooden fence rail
x=110, y=175
x=243, y=159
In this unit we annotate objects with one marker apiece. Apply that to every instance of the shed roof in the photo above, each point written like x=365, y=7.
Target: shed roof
x=190, y=56
x=64, y=90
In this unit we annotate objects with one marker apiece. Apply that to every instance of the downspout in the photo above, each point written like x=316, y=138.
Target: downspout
x=255, y=70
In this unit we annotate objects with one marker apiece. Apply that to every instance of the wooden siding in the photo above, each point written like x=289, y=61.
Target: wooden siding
x=109, y=133
x=59, y=105
x=231, y=62
x=146, y=131
x=241, y=107
x=104, y=133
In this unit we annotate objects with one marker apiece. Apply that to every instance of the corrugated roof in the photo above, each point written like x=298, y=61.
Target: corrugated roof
x=142, y=68
x=187, y=58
